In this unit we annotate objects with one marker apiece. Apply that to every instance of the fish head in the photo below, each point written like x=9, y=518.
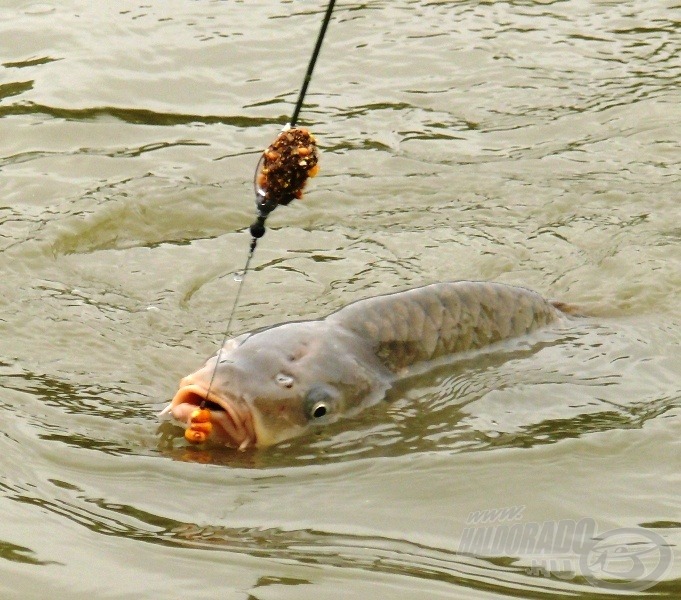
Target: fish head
x=278, y=383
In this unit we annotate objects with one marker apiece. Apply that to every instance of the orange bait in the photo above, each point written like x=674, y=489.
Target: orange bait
x=200, y=426
x=200, y=415
x=194, y=437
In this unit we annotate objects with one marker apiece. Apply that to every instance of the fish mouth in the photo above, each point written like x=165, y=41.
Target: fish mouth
x=232, y=419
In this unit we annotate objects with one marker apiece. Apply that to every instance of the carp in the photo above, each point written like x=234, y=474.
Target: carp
x=276, y=383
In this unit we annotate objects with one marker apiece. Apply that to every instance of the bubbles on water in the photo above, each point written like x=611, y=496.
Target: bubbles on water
x=153, y=315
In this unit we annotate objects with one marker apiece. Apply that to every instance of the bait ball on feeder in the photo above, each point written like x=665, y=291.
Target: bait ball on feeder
x=285, y=167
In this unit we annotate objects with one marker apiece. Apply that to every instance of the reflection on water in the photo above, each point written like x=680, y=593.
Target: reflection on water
x=309, y=547
x=15, y=553
x=535, y=143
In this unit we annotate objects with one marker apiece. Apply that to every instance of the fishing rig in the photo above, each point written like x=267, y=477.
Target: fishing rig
x=280, y=176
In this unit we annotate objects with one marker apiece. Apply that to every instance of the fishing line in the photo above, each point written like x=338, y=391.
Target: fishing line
x=298, y=146
x=313, y=60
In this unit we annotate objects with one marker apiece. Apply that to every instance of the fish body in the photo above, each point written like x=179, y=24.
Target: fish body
x=275, y=383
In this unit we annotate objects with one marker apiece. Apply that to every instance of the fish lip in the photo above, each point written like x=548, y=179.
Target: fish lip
x=235, y=425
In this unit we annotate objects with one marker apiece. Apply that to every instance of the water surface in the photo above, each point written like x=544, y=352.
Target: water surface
x=533, y=143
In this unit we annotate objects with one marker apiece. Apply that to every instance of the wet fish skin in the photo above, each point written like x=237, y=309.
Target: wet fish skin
x=275, y=383
x=429, y=322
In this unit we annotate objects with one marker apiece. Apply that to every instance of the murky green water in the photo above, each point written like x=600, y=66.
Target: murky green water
x=534, y=143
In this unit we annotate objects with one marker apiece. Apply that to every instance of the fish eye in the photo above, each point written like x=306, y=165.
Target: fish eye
x=318, y=403
x=319, y=410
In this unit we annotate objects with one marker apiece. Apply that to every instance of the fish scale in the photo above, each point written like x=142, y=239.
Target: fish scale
x=444, y=318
